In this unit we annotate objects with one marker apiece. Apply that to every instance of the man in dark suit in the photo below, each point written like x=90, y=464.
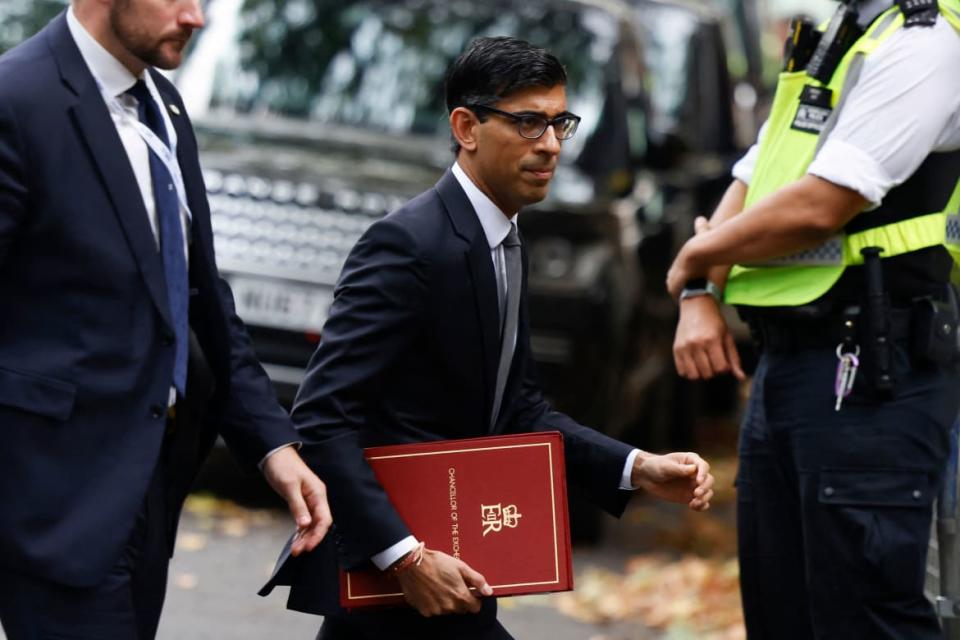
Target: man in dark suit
x=121, y=356
x=428, y=338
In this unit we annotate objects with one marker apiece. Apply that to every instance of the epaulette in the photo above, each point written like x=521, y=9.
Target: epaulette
x=919, y=13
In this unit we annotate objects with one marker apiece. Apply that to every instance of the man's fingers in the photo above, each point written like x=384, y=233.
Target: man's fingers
x=733, y=357
x=301, y=515
x=475, y=579
x=702, y=467
x=320, y=519
x=700, y=225
x=703, y=473
x=674, y=466
x=701, y=504
x=685, y=367
x=704, y=484
x=297, y=505
x=702, y=360
x=717, y=356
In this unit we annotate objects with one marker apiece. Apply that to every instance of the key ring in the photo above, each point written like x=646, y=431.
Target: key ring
x=855, y=353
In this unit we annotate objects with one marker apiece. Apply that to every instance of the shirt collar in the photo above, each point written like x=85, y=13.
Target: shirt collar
x=115, y=77
x=495, y=223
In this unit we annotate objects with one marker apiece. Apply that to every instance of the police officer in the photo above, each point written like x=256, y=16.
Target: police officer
x=843, y=226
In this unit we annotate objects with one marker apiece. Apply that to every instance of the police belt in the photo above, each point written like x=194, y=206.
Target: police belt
x=777, y=332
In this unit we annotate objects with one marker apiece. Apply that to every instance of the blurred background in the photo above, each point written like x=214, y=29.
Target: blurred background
x=316, y=117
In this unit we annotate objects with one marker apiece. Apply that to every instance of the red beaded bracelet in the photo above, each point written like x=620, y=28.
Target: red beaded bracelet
x=413, y=558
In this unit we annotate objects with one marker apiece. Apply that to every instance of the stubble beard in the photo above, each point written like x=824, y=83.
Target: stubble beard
x=144, y=46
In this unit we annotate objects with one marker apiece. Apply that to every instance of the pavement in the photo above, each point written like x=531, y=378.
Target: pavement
x=217, y=570
x=225, y=553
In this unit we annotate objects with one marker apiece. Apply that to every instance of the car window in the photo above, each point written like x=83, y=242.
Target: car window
x=375, y=64
x=19, y=19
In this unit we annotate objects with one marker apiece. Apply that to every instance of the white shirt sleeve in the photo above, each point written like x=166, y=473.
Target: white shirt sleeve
x=743, y=169
x=905, y=105
x=394, y=552
x=273, y=451
x=625, y=482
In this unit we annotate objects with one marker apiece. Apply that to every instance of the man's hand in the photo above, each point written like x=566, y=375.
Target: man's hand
x=305, y=493
x=675, y=477
x=703, y=346
x=440, y=585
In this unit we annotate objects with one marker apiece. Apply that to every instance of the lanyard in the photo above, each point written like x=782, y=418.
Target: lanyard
x=167, y=155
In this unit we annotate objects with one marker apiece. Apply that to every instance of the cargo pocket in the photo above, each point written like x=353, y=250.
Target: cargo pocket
x=36, y=394
x=878, y=521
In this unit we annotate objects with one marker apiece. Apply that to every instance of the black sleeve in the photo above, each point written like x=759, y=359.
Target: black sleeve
x=376, y=312
x=13, y=187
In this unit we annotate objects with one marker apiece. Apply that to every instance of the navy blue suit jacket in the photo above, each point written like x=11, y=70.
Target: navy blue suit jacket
x=86, y=355
x=410, y=354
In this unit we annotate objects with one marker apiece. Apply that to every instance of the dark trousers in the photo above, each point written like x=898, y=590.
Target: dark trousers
x=835, y=508
x=407, y=624
x=125, y=606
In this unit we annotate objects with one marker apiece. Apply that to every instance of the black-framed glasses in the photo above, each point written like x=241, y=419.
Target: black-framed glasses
x=532, y=125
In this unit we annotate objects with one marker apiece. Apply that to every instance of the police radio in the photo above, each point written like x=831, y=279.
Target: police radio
x=840, y=35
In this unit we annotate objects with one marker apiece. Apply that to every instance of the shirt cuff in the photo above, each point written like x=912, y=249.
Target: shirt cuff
x=847, y=166
x=283, y=446
x=391, y=554
x=625, y=482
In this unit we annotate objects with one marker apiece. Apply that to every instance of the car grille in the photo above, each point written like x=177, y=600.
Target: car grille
x=286, y=230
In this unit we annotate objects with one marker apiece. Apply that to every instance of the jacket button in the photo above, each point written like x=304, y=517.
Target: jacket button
x=828, y=491
x=157, y=411
x=917, y=494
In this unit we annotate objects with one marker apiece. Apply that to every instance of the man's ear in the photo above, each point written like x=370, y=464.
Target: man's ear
x=463, y=124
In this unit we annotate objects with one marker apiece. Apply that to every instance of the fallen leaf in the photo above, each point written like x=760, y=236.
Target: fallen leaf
x=189, y=541
x=186, y=581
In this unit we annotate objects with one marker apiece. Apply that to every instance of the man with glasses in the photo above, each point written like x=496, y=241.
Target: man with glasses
x=428, y=338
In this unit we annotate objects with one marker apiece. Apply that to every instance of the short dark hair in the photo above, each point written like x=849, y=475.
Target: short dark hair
x=490, y=69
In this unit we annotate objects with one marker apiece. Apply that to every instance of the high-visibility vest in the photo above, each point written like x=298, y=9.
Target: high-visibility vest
x=923, y=212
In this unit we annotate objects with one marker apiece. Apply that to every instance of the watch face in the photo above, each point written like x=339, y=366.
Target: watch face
x=696, y=283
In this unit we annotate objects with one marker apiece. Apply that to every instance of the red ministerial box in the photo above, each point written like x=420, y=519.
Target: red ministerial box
x=498, y=503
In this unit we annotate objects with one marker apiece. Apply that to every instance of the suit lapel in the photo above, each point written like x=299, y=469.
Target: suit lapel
x=480, y=269
x=93, y=121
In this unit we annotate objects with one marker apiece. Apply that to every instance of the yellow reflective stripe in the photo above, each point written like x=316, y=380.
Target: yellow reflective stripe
x=953, y=206
x=898, y=238
x=952, y=16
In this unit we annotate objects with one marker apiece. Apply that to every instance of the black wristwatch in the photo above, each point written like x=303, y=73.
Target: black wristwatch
x=701, y=287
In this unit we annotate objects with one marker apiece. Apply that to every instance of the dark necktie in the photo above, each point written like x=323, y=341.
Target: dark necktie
x=171, y=234
x=509, y=302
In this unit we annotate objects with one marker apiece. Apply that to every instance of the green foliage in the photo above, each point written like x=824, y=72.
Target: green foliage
x=381, y=63
x=20, y=19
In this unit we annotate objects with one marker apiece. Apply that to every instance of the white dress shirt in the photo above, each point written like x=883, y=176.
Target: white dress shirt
x=905, y=105
x=116, y=80
x=496, y=225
